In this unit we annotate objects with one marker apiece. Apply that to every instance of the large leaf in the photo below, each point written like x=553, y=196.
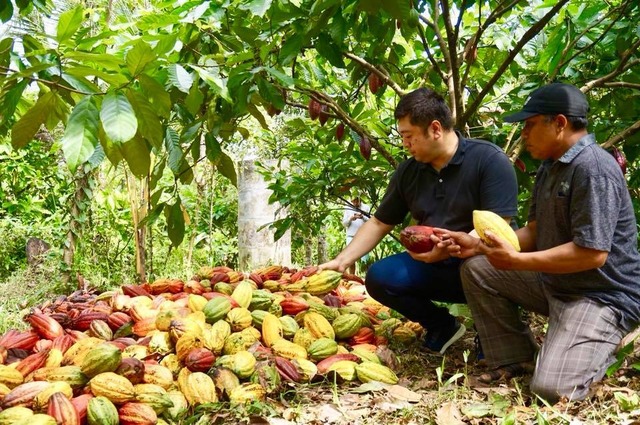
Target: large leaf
x=69, y=23
x=257, y=7
x=227, y=168
x=175, y=223
x=6, y=45
x=139, y=57
x=80, y=136
x=148, y=121
x=29, y=124
x=6, y=11
x=157, y=95
x=118, y=119
x=214, y=81
x=180, y=78
x=136, y=153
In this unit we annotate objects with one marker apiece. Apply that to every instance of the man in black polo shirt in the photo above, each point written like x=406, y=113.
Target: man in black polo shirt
x=579, y=263
x=446, y=178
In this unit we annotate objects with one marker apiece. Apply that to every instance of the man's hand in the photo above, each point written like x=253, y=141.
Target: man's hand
x=500, y=254
x=334, y=264
x=438, y=253
x=458, y=244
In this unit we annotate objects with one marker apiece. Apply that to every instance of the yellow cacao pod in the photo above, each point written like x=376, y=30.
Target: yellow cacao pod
x=369, y=371
x=322, y=283
x=288, y=349
x=346, y=369
x=199, y=389
x=488, y=220
x=247, y=392
x=242, y=293
x=271, y=329
x=116, y=388
x=239, y=318
x=318, y=325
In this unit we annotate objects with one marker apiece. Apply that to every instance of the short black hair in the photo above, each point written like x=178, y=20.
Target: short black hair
x=423, y=106
x=577, y=123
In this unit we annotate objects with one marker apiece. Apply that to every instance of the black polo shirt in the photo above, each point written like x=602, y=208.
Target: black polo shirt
x=478, y=177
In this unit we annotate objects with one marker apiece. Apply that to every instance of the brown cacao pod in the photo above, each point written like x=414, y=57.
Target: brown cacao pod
x=417, y=238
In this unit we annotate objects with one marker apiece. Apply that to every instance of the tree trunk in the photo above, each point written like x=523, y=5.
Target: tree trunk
x=138, y=198
x=308, y=250
x=79, y=204
x=322, y=246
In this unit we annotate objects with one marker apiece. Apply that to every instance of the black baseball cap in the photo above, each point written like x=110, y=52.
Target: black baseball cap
x=552, y=99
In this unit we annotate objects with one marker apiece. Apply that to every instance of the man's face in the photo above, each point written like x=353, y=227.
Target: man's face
x=356, y=202
x=540, y=136
x=416, y=140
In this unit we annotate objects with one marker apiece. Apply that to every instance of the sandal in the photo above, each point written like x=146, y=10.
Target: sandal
x=506, y=372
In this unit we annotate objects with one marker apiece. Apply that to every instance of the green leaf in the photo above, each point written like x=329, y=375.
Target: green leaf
x=139, y=57
x=69, y=23
x=9, y=98
x=118, y=119
x=6, y=11
x=255, y=112
x=172, y=144
x=148, y=120
x=280, y=76
x=180, y=78
x=194, y=99
x=328, y=49
x=136, y=153
x=175, y=223
x=6, y=46
x=227, y=168
x=291, y=49
x=257, y=7
x=80, y=136
x=157, y=95
x=29, y=124
x=213, y=81
x=107, y=61
x=398, y=9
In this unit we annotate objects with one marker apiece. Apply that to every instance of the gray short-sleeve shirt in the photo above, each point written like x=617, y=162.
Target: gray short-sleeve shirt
x=583, y=197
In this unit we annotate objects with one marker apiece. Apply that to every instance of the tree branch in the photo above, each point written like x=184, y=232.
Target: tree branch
x=625, y=64
x=435, y=65
x=10, y=72
x=531, y=32
x=455, y=89
x=371, y=68
x=573, y=42
x=614, y=140
x=344, y=117
x=499, y=11
x=622, y=84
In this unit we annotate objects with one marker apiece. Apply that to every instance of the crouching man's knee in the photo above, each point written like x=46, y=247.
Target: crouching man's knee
x=552, y=388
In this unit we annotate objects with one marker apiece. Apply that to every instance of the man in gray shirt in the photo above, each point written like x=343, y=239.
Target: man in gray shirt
x=579, y=263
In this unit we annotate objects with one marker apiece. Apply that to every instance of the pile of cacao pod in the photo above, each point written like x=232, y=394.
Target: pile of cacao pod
x=150, y=353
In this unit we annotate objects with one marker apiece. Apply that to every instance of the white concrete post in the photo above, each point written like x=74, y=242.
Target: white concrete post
x=257, y=248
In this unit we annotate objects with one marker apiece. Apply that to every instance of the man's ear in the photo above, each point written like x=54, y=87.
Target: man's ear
x=436, y=128
x=561, y=121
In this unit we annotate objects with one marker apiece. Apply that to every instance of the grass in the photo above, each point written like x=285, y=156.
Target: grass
x=432, y=388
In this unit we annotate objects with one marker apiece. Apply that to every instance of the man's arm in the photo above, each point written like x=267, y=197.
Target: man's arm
x=364, y=241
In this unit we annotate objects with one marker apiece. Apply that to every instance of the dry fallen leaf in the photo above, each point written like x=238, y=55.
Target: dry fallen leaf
x=403, y=393
x=448, y=414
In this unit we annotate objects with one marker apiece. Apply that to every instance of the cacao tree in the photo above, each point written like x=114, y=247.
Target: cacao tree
x=165, y=86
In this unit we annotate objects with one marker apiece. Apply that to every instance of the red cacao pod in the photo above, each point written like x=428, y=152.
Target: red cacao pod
x=314, y=109
x=199, y=359
x=340, y=131
x=365, y=148
x=417, y=238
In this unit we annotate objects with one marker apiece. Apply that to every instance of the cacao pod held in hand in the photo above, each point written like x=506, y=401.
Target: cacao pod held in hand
x=417, y=238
